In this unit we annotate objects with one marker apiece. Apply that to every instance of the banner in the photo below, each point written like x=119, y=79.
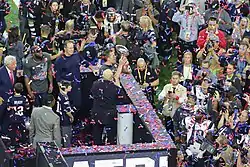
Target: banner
x=135, y=159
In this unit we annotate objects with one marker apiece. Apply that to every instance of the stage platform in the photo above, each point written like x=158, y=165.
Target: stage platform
x=152, y=145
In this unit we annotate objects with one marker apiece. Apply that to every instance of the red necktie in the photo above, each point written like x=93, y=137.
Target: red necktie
x=11, y=77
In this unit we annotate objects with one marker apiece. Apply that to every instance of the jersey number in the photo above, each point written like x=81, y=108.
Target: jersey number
x=18, y=110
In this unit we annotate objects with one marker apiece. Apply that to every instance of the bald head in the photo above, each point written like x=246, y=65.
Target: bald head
x=107, y=75
x=141, y=64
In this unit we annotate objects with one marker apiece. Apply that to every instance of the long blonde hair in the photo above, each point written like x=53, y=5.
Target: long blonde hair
x=146, y=20
x=69, y=25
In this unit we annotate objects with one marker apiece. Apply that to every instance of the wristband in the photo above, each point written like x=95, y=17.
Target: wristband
x=177, y=98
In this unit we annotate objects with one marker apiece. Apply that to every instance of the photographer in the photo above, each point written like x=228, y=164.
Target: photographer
x=224, y=20
x=172, y=95
x=199, y=3
x=208, y=33
x=230, y=96
x=189, y=20
x=68, y=34
x=211, y=49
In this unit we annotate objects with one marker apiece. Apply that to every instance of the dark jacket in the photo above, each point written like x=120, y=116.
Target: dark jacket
x=105, y=94
x=195, y=70
x=6, y=90
x=6, y=86
x=236, y=83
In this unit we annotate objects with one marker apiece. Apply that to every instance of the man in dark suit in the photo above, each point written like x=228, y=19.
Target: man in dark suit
x=45, y=124
x=7, y=80
x=105, y=95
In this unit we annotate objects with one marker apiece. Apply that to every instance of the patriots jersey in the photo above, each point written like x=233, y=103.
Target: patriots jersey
x=63, y=107
x=16, y=106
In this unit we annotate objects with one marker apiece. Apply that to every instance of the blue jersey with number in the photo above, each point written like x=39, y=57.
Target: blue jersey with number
x=63, y=107
x=16, y=106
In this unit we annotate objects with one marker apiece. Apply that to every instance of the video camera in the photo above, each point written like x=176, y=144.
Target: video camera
x=209, y=45
x=223, y=108
x=190, y=7
x=206, y=144
x=211, y=89
x=217, y=87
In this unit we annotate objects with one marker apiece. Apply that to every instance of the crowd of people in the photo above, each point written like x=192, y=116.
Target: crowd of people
x=62, y=65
